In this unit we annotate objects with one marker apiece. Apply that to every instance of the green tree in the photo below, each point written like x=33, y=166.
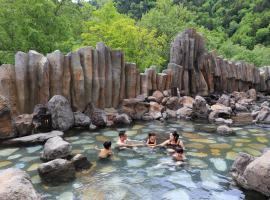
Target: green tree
x=119, y=31
x=40, y=25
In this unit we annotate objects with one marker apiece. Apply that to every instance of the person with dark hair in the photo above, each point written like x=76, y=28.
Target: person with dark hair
x=179, y=154
x=173, y=141
x=124, y=142
x=107, y=151
x=151, y=141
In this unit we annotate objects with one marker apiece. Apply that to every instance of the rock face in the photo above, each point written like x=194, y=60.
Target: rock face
x=62, y=115
x=16, y=184
x=225, y=130
x=200, y=108
x=198, y=72
x=252, y=173
x=97, y=116
x=56, y=171
x=80, y=162
x=81, y=120
x=122, y=119
x=54, y=148
x=6, y=123
x=135, y=108
x=24, y=125
x=39, y=138
x=101, y=76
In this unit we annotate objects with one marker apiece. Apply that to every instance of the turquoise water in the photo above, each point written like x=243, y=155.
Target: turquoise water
x=144, y=173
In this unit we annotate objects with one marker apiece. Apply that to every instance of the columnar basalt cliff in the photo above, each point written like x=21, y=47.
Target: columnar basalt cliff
x=100, y=76
x=197, y=71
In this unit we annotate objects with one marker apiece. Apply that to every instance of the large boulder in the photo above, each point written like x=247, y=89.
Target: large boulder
x=257, y=174
x=263, y=116
x=184, y=113
x=252, y=173
x=156, y=110
x=57, y=171
x=224, y=130
x=16, y=185
x=80, y=162
x=252, y=94
x=173, y=103
x=62, y=115
x=56, y=147
x=158, y=95
x=81, y=120
x=24, y=125
x=225, y=100
x=186, y=101
x=122, y=119
x=219, y=111
x=242, y=118
x=97, y=116
x=135, y=108
x=200, y=108
x=7, y=129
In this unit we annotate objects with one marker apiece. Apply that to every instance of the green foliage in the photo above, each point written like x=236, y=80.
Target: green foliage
x=134, y=8
x=40, y=25
x=118, y=31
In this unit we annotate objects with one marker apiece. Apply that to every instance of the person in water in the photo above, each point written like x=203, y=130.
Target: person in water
x=179, y=154
x=151, y=141
x=123, y=141
x=107, y=151
x=173, y=141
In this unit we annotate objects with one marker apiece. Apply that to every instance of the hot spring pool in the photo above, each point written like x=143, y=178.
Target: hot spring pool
x=142, y=173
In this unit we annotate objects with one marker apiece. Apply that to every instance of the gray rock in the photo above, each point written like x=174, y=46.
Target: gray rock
x=225, y=100
x=219, y=111
x=97, y=116
x=173, y=103
x=56, y=147
x=122, y=119
x=156, y=110
x=223, y=121
x=184, y=113
x=62, y=115
x=24, y=125
x=171, y=113
x=80, y=162
x=241, y=108
x=252, y=173
x=32, y=139
x=16, y=185
x=200, y=108
x=225, y=130
x=263, y=115
x=81, y=120
x=56, y=171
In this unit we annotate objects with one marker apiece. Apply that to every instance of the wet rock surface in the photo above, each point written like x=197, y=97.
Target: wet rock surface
x=16, y=184
x=252, y=173
x=57, y=171
x=55, y=148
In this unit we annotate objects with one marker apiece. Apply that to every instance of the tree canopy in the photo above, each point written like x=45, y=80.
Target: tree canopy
x=143, y=29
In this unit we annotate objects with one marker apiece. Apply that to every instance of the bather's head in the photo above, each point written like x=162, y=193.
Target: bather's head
x=122, y=135
x=152, y=136
x=107, y=145
x=174, y=136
